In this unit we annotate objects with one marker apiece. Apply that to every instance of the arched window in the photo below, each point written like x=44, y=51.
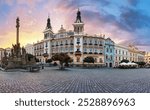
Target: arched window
x=95, y=60
x=106, y=57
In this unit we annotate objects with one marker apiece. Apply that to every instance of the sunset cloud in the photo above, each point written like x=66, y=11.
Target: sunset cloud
x=123, y=21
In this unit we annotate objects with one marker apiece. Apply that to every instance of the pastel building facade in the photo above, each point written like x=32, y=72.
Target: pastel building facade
x=39, y=50
x=147, y=57
x=121, y=52
x=29, y=49
x=109, y=52
x=3, y=52
x=135, y=54
x=131, y=53
x=1, y=55
x=75, y=43
x=79, y=45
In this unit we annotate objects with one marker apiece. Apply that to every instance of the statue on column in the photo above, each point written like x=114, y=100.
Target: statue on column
x=17, y=22
x=23, y=51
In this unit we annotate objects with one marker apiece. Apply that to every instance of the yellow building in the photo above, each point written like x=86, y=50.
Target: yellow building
x=147, y=57
x=135, y=54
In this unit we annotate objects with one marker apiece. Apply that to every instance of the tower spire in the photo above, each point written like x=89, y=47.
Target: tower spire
x=48, y=23
x=78, y=24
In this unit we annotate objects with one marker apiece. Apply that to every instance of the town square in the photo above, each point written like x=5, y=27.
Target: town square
x=76, y=80
x=73, y=48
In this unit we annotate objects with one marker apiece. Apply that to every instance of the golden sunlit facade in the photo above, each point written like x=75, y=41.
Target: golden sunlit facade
x=147, y=57
x=75, y=43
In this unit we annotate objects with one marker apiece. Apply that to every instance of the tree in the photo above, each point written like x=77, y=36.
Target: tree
x=62, y=58
x=49, y=61
x=141, y=64
x=124, y=60
x=89, y=59
x=37, y=60
x=30, y=56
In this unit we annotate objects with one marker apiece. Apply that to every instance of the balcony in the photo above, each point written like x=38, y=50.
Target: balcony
x=90, y=44
x=95, y=53
x=90, y=52
x=84, y=52
x=45, y=55
x=95, y=44
x=101, y=53
x=78, y=53
x=100, y=45
x=71, y=43
x=66, y=44
x=78, y=42
x=61, y=44
x=84, y=43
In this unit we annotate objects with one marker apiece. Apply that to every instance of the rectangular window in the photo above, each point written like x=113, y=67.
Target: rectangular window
x=107, y=50
x=46, y=44
x=61, y=35
x=110, y=50
x=91, y=41
x=85, y=50
x=78, y=40
x=101, y=60
x=71, y=49
x=95, y=41
x=101, y=51
x=56, y=43
x=119, y=58
x=90, y=50
x=66, y=49
x=100, y=43
x=66, y=42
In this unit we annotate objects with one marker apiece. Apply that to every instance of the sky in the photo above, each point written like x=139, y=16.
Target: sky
x=124, y=21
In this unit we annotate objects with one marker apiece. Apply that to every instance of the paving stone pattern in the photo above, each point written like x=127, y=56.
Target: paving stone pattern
x=75, y=80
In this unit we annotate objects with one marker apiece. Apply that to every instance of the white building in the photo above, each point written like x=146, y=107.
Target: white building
x=1, y=55
x=75, y=43
x=130, y=53
x=121, y=52
x=79, y=45
x=39, y=50
x=29, y=49
x=8, y=51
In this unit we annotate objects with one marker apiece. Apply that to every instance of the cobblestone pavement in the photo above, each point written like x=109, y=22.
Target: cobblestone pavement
x=74, y=80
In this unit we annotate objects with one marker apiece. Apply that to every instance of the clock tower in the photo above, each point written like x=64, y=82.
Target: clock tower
x=78, y=37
